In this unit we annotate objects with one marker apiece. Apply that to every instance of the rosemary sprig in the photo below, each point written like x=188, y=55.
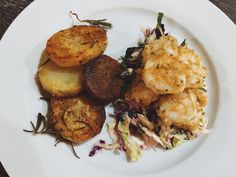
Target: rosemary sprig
x=44, y=98
x=41, y=122
x=160, y=27
x=203, y=89
x=159, y=18
x=45, y=62
x=42, y=126
x=132, y=57
x=183, y=43
x=73, y=150
x=100, y=23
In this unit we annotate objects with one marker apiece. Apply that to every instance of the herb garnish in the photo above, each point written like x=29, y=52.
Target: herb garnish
x=203, y=89
x=45, y=62
x=160, y=28
x=128, y=75
x=183, y=43
x=132, y=58
x=43, y=126
x=41, y=122
x=100, y=23
x=133, y=55
x=159, y=18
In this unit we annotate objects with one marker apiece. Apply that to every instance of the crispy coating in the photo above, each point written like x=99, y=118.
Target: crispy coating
x=201, y=97
x=77, y=45
x=102, y=78
x=170, y=68
x=166, y=44
x=139, y=92
x=183, y=110
x=59, y=81
x=197, y=72
x=165, y=74
x=76, y=119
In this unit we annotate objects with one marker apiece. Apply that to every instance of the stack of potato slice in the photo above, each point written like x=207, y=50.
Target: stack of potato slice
x=74, y=116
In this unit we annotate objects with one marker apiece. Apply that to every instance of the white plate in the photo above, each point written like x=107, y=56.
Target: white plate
x=207, y=30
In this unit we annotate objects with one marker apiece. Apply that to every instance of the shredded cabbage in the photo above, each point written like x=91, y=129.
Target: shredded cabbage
x=133, y=149
x=179, y=139
x=153, y=136
x=111, y=130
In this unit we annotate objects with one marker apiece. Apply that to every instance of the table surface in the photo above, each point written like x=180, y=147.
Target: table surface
x=9, y=9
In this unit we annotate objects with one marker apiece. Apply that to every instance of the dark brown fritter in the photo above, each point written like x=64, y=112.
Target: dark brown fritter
x=102, y=78
x=76, y=119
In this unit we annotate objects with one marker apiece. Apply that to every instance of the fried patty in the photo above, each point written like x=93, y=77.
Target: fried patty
x=183, y=110
x=139, y=92
x=77, y=45
x=102, y=78
x=170, y=68
x=76, y=119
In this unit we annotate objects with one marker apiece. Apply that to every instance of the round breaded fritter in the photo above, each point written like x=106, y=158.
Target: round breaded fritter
x=183, y=110
x=197, y=73
x=139, y=92
x=102, y=78
x=77, y=45
x=59, y=81
x=170, y=68
x=76, y=119
x=165, y=74
x=166, y=44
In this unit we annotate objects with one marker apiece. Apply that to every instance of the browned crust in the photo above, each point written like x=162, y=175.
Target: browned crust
x=139, y=92
x=76, y=119
x=102, y=78
x=77, y=45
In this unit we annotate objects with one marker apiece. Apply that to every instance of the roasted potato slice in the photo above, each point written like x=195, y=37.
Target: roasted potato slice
x=76, y=119
x=102, y=78
x=77, y=45
x=60, y=82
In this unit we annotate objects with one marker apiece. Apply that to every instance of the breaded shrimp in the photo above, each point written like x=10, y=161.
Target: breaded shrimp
x=183, y=110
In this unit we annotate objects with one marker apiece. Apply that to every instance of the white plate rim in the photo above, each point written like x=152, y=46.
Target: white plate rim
x=226, y=34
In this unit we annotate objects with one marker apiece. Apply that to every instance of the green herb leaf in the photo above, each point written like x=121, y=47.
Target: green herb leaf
x=205, y=90
x=127, y=74
x=44, y=123
x=73, y=150
x=41, y=121
x=132, y=58
x=45, y=62
x=100, y=23
x=183, y=43
x=159, y=18
x=160, y=28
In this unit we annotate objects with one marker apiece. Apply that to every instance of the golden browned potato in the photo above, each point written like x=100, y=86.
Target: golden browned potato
x=60, y=82
x=76, y=119
x=77, y=45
